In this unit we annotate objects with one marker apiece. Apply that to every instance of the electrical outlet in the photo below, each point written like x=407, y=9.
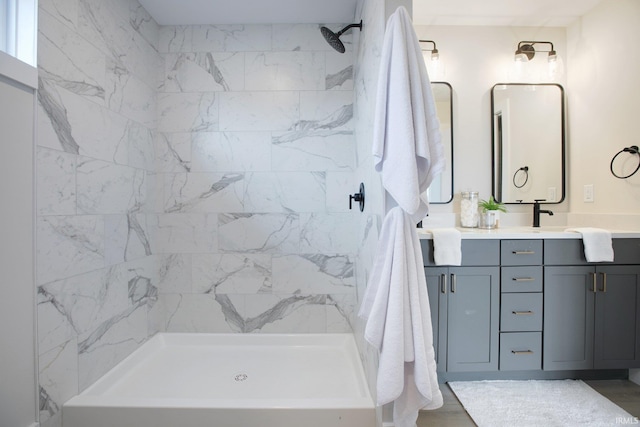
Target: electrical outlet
x=588, y=193
x=551, y=194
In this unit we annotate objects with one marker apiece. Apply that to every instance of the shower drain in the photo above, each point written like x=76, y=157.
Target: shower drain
x=240, y=377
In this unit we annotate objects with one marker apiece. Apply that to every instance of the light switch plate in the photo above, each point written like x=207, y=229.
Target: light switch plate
x=588, y=193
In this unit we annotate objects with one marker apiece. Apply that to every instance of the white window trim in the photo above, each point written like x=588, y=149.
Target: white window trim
x=19, y=71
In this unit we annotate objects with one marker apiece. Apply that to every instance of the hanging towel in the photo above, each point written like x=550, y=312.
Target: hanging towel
x=396, y=306
x=597, y=243
x=447, y=246
x=407, y=145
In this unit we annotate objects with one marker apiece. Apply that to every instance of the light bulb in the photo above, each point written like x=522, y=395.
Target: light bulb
x=555, y=67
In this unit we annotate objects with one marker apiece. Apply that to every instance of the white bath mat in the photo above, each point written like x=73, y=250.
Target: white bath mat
x=538, y=403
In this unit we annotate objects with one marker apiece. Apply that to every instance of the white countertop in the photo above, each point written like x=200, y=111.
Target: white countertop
x=554, y=232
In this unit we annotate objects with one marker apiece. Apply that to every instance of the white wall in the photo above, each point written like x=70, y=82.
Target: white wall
x=17, y=318
x=603, y=88
x=604, y=114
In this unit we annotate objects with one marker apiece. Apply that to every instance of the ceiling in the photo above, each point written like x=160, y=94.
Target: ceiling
x=183, y=12
x=549, y=13
x=537, y=13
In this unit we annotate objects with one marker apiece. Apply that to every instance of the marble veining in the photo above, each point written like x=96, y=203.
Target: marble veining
x=259, y=233
x=203, y=192
x=338, y=79
x=135, y=228
x=276, y=312
x=232, y=273
x=198, y=72
x=57, y=114
x=173, y=152
x=188, y=112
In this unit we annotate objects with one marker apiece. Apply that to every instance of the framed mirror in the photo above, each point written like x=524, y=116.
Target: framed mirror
x=441, y=189
x=528, y=150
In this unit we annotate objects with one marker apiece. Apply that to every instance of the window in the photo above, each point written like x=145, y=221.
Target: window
x=18, y=29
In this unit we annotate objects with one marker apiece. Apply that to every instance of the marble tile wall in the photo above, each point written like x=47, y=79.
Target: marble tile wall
x=254, y=164
x=188, y=179
x=367, y=64
x=97, y=118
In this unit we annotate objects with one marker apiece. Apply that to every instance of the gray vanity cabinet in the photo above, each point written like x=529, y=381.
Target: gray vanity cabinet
x=437, y=288
x=473, y=310
x=617, y=317
x=465, y=307
x=568, y=318
x=591, y=312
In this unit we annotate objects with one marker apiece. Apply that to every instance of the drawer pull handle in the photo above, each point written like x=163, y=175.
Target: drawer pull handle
x=443, y=283
x=522, y=279
x=523, y=313
x=594, y=288
x=519, y=352
x=523, y=252
x=604, y=282
x=453, y=283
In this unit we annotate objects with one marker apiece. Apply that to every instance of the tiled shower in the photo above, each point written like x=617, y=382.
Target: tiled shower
x=190, y=179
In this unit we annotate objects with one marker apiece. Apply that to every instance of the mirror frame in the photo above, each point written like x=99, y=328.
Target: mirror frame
x=562, y=144
x=450, y=148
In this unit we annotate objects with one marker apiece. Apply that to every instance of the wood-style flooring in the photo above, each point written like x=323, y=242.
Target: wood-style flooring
x=623, y=393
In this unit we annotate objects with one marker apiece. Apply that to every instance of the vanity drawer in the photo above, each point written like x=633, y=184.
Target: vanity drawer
x=474, y=252
x=521, y=279
x=520, y=351
x=521, y=252
x=521, y=312
x=571, y=251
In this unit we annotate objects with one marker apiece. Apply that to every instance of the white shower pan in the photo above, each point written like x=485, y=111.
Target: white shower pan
x=225, y=380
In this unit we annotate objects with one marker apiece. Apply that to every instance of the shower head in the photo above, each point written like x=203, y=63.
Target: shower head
x=334, y=38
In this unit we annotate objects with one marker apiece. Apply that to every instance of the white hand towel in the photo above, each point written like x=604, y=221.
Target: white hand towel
x=447, y=246
x=396, y=306
x=407, y=145
x=597, y=243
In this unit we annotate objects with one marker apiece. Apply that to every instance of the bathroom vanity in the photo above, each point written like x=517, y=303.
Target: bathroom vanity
x=527, y=304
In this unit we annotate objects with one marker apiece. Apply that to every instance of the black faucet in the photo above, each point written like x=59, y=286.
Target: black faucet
x=537, y=211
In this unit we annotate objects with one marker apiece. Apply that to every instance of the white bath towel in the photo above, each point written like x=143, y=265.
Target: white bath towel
x=447, y=246
x=597, y=243
x=396, y=306
x=407, y=145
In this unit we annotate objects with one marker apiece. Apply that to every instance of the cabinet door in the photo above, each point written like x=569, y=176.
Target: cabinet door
x=617, y=321
x=437, y=288
x=473, y=310
x=569, y=294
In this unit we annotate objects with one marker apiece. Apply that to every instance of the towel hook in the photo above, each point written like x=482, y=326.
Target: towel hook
x=358, y=197
x=633, y=150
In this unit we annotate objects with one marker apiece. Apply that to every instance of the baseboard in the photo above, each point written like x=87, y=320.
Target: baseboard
x=388, y=425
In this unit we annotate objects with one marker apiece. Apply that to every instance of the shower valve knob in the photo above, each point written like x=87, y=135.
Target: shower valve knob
x=358, y=197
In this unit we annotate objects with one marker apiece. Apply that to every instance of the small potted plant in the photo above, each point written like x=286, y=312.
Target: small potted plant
x=490, y=212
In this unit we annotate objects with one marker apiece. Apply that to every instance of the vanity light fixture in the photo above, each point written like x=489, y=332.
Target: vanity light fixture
x=434, y=66
x=435, y=55
x=526, y=51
